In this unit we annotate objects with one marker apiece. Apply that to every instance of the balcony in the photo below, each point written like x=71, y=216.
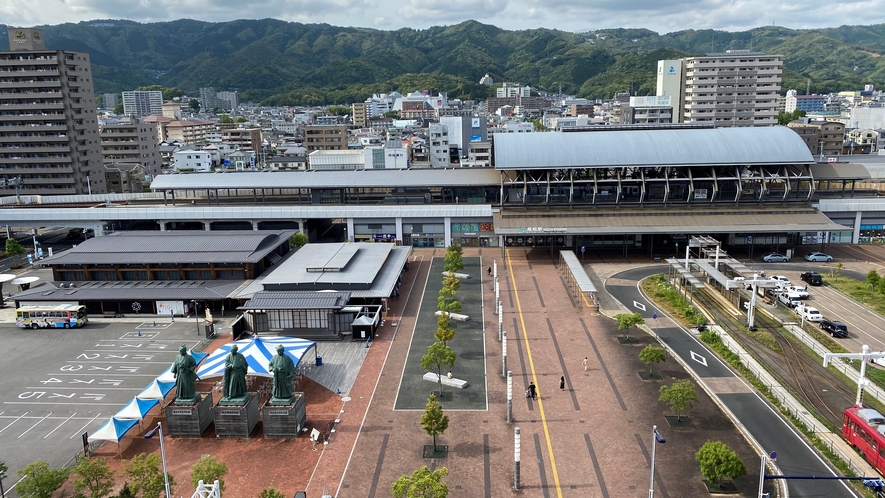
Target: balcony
x=31, y=106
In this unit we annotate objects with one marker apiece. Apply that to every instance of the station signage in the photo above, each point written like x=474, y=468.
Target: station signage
x=543, y=230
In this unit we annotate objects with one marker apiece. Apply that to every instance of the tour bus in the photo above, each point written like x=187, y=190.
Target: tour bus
x=51, y=316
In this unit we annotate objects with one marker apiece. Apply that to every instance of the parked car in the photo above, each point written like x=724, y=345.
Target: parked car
x=781, y=280
x=800, y=291
x=775, y=257
x=790, y=301
x=818, y=257
x=811, y=278
x=834, y=327
x=809, y=313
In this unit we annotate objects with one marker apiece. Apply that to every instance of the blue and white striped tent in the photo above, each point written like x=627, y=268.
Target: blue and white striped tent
x=258, y=352
x=113, y=430
x=137, y=408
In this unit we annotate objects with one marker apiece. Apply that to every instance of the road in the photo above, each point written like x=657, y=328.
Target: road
x=56, y=238
x=795, y=457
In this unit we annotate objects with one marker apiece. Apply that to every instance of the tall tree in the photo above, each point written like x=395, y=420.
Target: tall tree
x=421, y=484
x=147, y=475
x=453, y=261
x=208, y=469
x=14, y=249
x=95, y=475
x=434, y=421
x=626, y=321
x=718, y=462
x=680, y=395
x=37, y=480
x=194, y=105
x=444, y=333
x=651, y=355
x=438, y=355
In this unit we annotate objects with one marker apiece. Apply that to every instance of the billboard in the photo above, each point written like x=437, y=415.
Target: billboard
x=651, y=101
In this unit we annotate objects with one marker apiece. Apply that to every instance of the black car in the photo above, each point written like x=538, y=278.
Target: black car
x=835, y=328
x=811, y=278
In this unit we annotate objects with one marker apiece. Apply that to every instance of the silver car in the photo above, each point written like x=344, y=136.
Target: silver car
x=775, y=257
x=818, y=257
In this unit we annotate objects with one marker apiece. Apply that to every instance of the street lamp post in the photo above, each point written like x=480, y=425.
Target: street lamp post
x=658, y=438
x=196, y=315
x=149, y=434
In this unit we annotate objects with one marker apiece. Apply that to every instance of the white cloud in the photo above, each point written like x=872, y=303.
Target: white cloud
x=658, y=15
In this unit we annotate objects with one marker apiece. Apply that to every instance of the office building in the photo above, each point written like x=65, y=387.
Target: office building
x=464, y=130
x=128, y=144
x=142, y=102
x=513, y=90
x=732, y=88
x=49, y=143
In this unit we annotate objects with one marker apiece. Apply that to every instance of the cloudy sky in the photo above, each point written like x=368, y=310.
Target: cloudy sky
x=662, y=16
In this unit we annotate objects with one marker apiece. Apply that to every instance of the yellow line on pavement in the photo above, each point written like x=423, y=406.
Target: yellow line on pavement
x=528, y=351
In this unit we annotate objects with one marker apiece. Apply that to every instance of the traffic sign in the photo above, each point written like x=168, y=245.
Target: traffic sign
x=654, y=315
x=749, y=238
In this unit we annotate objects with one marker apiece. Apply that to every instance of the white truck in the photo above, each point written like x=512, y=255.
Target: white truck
x=789, y=299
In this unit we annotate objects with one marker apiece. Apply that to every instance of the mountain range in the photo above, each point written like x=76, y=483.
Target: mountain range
x=278, y=62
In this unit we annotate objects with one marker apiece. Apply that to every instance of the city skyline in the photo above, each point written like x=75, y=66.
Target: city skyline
x=566, y=15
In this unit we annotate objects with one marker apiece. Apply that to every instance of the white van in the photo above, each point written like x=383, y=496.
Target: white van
x=808, y=313
x=787, y=300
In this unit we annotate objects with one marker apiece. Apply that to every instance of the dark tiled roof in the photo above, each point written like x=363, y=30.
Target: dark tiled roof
x=166, y=290
x=280, y=300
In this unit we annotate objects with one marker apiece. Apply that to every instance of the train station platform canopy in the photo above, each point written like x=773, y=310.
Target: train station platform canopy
x=663, y=220
x=679, y=267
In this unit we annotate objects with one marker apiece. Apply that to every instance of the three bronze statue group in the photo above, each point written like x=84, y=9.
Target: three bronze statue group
x=234, y=382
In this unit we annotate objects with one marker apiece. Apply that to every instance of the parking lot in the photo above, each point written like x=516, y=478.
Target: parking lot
x=60, y=383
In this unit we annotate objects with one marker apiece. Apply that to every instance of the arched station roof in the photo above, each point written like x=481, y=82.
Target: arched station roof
x=668, y=147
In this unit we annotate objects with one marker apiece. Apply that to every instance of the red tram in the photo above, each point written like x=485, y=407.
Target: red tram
x=864, y=429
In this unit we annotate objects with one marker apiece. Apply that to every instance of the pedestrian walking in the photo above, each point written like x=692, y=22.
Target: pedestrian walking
x=532, y=390
x=562, y=383
x=489, y=270
x=585, y=363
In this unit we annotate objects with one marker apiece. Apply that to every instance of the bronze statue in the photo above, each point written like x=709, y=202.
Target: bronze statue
x=184, y=368
x=282, y=367
x=235, y=368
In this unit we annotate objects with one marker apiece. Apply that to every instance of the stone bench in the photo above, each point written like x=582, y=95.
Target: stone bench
x=459, y=276
x=453, y=382
x=455, y=316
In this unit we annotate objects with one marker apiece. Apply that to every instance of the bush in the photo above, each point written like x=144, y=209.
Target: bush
x=718, y=462
x=271, y=492
x=208, y=469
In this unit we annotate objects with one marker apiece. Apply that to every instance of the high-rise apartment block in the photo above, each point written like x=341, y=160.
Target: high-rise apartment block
x=49, y=142
x=732, y=88
x=142, y=102
x=224, y=101
x=230, y=100
x=109, y=100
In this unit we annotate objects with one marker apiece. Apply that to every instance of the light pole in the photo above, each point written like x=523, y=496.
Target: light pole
x=658, y=438
x=196, y=315
x=149, y=434
x=3, y=469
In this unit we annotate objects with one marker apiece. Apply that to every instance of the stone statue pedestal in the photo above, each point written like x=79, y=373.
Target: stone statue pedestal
x=189, y=419
x=284, y=420
x=234, y=419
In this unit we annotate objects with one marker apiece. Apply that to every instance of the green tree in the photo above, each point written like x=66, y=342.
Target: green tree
x=215, y=110
x=125, y=492
x=719, y=462
x=337, y=110
x=118, y=109
x=453, y=261
x=537, y=125
x=446, y=301
x=3, y=470
x=169, y=93
x=873, y=277
x=208, y=469
x=271, y=492
x=680, y=395
x=225, y=119
x=783, y=117
x=147, y=475
x=14, y=249
x=422, y=484
x=37, y=480
x=444, y=332
x=194, y=105
x=881, y=286
x=626, y=321
x=651, y=355
x=239, y=119
x=392, y=114
x=433, y=420
x=95, y=475
x=298, y=240
x=438, y=355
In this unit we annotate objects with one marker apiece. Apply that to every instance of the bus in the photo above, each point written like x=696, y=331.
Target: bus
x=864, y=429
x=51, y=316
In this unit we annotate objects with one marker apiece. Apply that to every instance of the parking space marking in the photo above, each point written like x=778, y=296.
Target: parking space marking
x=35, y=425
x=14, y=421
x=154, y=325
x=59, y=425
x=141, y=334
x=84, y=427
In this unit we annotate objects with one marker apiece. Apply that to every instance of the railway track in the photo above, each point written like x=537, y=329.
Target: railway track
x=820, y=392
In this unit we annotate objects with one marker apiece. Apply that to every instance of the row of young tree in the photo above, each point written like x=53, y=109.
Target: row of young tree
x=93, y=478
x=423, y=482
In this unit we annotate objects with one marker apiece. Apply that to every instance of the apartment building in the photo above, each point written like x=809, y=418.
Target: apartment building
x=647, y=110
x=807, y=103
x=49, y=142
x=125, y=178
x=192, y=131
x=142, y=103
x=732, y=88
x=359, y=114
x=131, y=144
x=231, y=100
x=109, y=100
x=325, y=137
x=822, y=137
x=439, y=146
x=244, y=138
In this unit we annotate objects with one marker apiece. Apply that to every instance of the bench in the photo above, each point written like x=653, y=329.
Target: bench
x=453, y=382
x=455, y=316
x=459, y=276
